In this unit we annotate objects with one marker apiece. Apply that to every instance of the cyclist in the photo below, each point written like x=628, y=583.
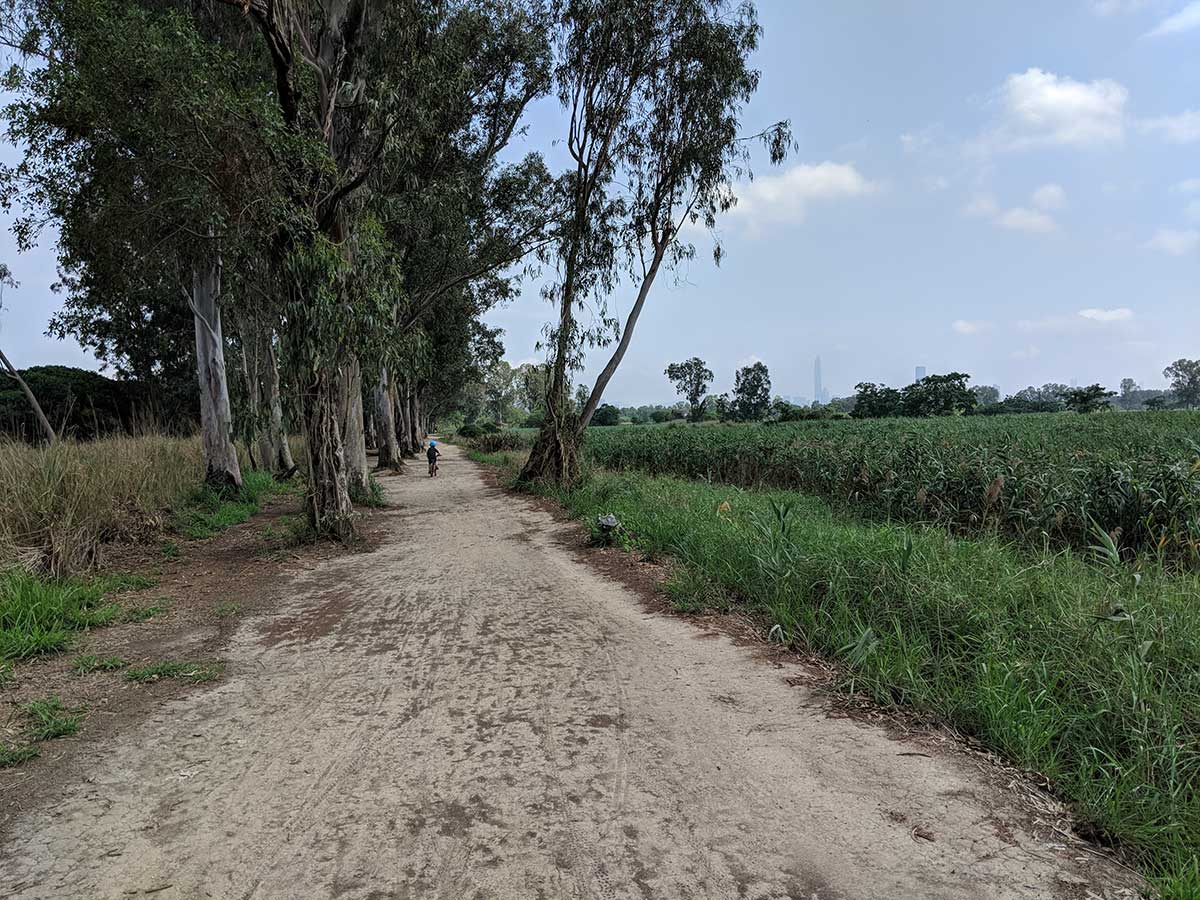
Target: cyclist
x=432, y=455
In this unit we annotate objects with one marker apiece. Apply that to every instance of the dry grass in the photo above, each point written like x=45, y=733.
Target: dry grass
x=59, y=505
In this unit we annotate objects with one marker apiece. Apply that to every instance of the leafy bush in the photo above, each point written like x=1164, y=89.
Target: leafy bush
x=606, y=414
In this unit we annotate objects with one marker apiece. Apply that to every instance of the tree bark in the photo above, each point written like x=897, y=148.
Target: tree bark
x=221, y=467
x=414, y=420
x=555, y=454
x=606, y=375
x=354, y=436
x=281, y=452
x=329, y=508
x=385, y=413
x=47, y=429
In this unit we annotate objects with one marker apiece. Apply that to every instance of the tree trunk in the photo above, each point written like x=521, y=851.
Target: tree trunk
x=329, y=508
x=277, y=436
x=403, y=429
x=555, y=454
x=47, y=429
x=414, y=420
x=353, y=434
x=221, y=468
x=593, y=401
x=385, y=413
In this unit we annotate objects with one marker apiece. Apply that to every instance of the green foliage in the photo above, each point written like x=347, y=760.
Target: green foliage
x=606, y=414
x=15, y=756
x=1087, y=675
x=89, y=663
x=49, y=719
x=1037, y=478
x=1184, y=376
x=196, y=673
x=938, y=395
x=78, y=403
x=751, y=393
x=1089, y=399
x=39, y=616
x=373, y=497
x=208, y=511
x=691, y=379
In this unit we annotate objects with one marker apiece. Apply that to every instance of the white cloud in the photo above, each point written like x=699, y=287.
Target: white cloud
x=1184, y=20
x=962, y=326
x=785, y=198
x=1115, y=7
x=1041, y=109
x=935, y=183
x=1029, y=220
x=1050, y=197
x=1120, y=314
x=981, y=207
x=1030, y=352
x=1183, y=128
x=1174, y=242
x=1187, y=186
x=1018, y=218
x=1192, y=211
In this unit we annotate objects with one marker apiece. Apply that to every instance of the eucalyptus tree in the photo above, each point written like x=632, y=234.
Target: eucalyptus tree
x=654, y=91
x=134, y=126
x=366, y=82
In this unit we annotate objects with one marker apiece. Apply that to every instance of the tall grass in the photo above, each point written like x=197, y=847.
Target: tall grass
x=1067, y=663
x=58, y=505
x=1040, y=478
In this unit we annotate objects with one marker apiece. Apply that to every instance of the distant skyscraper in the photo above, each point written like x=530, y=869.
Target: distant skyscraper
x=920, y=372
x=818, y=390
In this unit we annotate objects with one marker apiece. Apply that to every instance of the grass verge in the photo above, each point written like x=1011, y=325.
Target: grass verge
x=1086, y=673
x=45, y=720
x=39, y=616
x=208, y=511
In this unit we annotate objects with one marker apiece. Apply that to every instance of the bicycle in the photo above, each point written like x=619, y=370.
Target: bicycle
x=433, y=468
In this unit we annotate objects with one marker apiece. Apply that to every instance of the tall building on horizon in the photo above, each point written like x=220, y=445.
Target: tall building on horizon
x=818, y=389
x=920, y=372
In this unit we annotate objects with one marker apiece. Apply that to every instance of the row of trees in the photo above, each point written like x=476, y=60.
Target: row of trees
x=933, y=395
x=316, y=200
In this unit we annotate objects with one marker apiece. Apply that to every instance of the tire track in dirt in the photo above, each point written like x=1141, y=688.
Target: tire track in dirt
x=471, y=711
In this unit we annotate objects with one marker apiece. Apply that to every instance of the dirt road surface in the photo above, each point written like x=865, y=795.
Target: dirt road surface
x=471, y=711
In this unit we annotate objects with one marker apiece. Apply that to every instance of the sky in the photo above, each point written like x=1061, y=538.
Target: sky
x=1006, y=188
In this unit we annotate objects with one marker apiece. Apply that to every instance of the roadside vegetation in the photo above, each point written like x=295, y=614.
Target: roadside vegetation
x=42, y=720
x=1041, y=478
x=1068, y=663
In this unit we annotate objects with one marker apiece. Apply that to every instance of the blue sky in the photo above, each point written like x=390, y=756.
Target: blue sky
x=1005, y=188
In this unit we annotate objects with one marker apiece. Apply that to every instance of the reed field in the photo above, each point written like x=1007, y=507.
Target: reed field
x=1051, y=478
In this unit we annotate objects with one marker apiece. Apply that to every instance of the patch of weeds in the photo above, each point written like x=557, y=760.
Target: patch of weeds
x=91, y=663
x=225, y=610
x=142, y=613
x=288, y=532
x=49, y=719
x=38, y=616
x=170, y=550
x=185, y=671
x=691, y=592
x=14, y=756
x=209, y=511
x=6, y=673
x=372, y=496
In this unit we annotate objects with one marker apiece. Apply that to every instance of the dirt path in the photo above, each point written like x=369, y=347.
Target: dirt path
x=472, y=712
